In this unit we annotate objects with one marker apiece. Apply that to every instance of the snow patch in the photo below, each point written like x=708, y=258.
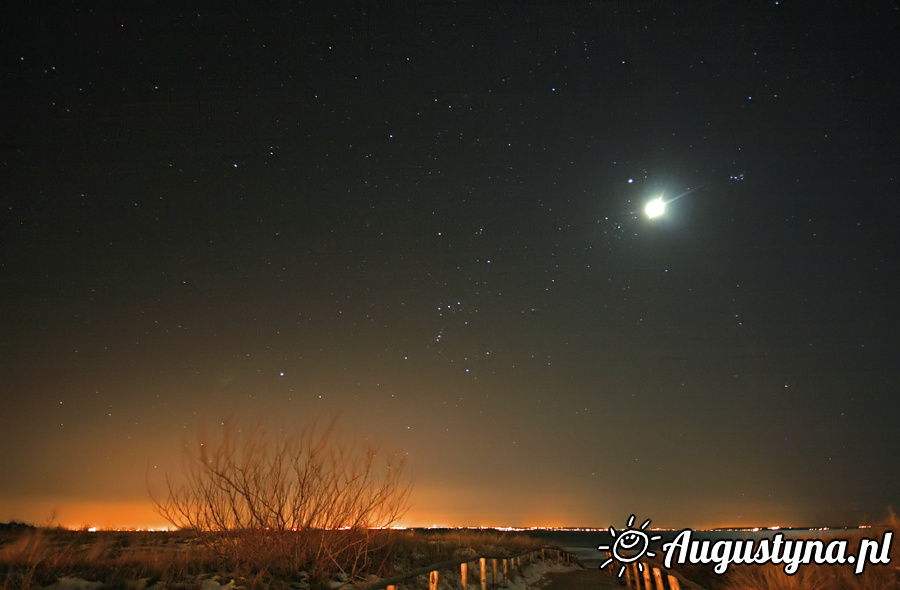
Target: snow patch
x=74, y=584
x=535, y=575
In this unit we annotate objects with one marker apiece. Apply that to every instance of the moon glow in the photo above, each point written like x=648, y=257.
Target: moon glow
x=655, y=208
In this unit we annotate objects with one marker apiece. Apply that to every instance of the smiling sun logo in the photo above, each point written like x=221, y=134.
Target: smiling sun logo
x=629, y=545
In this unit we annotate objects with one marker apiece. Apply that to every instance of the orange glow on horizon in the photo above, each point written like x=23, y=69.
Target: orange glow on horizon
x=85, y=514
x=454, y=511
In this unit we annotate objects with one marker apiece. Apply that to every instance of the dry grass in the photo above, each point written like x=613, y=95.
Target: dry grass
x=38, y=557
x=32, y=558
x=823, y=577
x=772, y=577
x=417, y=548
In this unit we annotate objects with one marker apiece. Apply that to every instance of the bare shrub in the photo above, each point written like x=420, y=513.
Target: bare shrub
x=267, y=499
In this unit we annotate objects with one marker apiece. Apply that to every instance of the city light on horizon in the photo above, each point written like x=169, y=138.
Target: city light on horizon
x=144, y=518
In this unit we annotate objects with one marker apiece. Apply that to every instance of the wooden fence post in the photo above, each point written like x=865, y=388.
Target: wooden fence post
x=483, y=564
x=494, y=572
x=505, y=574
x=657, y=575
x=673, y=583
x=628, y=577
x=433, y=580
x=647, y=578
x=463, y=575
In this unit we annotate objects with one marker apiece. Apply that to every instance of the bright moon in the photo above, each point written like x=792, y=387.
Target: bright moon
x=655, y=208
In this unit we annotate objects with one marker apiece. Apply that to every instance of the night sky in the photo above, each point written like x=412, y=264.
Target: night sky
x=428, y=219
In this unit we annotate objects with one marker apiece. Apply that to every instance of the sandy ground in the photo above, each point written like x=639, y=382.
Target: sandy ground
x=587, y=579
